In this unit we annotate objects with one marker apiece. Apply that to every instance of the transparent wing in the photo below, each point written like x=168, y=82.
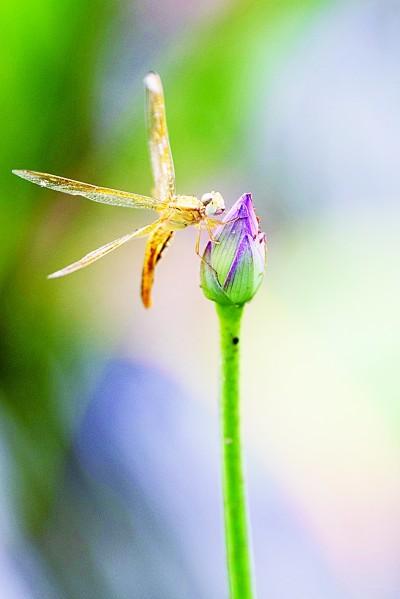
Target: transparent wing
x=103, y=251
x=160, y=151
x=92, y=192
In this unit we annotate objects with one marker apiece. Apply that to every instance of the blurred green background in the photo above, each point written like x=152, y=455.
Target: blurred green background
x=298, y=102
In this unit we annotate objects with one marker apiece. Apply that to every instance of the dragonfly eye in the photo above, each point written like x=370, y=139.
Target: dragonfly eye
x=213, y=203
x=206, y=198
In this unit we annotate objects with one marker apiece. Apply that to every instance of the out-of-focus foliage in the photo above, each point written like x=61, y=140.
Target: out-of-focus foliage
x=48, y=52
x=210, y=81
x=50, y=64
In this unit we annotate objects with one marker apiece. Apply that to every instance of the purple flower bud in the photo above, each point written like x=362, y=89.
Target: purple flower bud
x=232, y=269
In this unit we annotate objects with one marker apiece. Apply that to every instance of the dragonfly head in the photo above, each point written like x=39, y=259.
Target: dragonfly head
x=213, y=203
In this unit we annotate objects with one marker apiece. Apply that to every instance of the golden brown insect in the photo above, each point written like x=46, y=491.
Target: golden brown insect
x=175, y=211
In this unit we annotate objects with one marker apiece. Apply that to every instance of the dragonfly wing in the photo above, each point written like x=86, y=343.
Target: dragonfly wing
x=92, y=192
x=160, y=151
x=156, y=244
x=103, y=251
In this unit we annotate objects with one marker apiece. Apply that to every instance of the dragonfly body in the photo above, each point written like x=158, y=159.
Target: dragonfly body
x=175, y=211
x=184, y=211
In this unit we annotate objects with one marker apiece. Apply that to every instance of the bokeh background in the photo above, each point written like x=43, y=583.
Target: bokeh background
x=109, y=458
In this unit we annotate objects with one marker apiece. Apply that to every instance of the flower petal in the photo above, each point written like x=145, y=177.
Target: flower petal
x=239, y=284
x=209, y=280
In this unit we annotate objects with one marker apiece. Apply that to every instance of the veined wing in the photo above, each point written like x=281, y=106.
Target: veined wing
x=103, y=195
x=103, y=251
x=160, y=151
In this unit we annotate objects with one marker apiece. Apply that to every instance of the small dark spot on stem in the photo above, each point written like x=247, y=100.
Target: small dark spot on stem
x=235, y=340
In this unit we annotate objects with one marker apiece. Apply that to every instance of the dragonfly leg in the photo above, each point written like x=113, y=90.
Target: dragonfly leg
x=197, y=247
x=198, y=239
x=215, y=223
x=210, y=232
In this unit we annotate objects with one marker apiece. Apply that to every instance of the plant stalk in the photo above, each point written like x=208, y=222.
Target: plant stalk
x=235, y=511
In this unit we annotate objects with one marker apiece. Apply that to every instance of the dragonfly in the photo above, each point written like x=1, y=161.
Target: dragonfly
x=175, y=211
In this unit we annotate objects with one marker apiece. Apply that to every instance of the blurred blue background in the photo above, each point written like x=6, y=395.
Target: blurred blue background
x=109, y=457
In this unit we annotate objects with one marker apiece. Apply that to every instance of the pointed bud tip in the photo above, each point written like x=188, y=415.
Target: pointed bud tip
x=233, y=269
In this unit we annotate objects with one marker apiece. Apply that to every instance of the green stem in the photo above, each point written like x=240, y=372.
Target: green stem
x=236, y=533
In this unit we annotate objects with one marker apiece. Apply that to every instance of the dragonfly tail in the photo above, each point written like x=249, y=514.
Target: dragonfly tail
x=156, y=244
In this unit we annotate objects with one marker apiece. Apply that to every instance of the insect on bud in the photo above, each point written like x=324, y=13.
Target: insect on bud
x=233, y=268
